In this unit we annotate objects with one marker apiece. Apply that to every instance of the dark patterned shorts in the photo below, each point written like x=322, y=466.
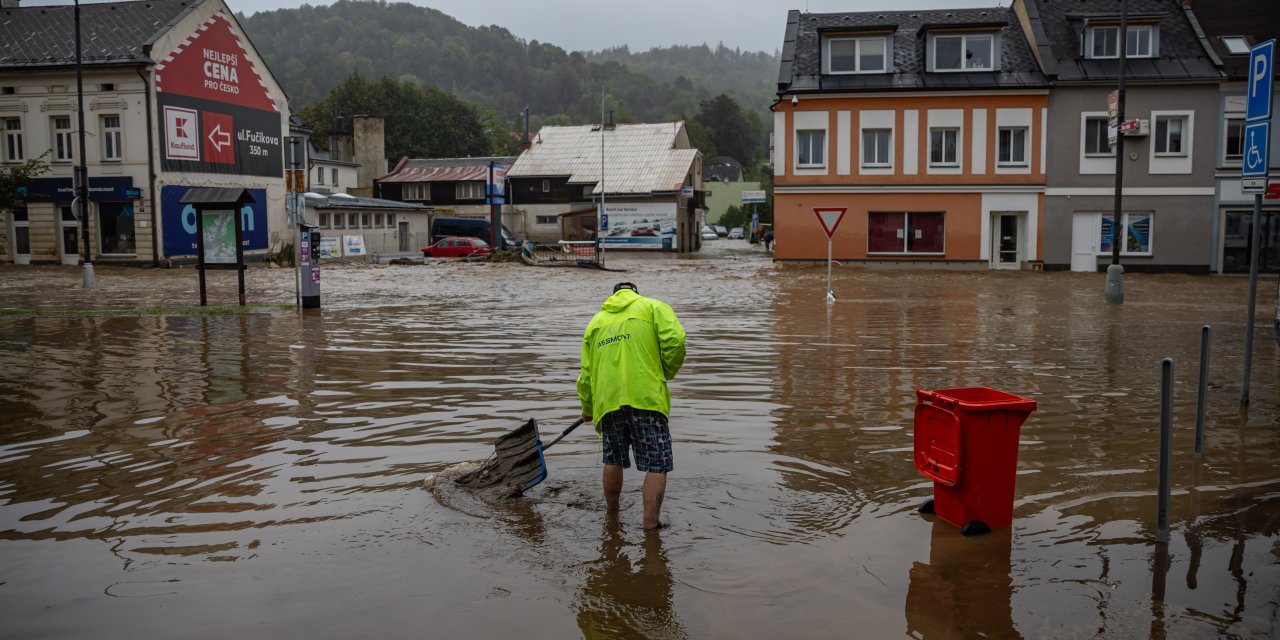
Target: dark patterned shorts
x=644, y=432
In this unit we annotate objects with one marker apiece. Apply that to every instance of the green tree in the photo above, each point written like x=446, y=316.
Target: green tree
x=421, y=121
x=731, y=130
x=14, y=176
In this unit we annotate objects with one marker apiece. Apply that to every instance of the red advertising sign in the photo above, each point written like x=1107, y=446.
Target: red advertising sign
x=213, y=65
x=830, y=218
x=218, y=115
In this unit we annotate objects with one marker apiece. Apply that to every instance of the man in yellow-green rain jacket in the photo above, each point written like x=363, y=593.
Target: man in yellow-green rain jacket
x=631, y=348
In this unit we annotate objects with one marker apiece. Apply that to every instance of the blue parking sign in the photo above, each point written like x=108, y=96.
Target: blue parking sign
x=1261, y=71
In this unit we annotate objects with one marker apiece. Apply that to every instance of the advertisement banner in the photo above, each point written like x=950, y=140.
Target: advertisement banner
x=352, y=245
x=214, y=109
x=180, y=221
x=106, y=189
x=329, y=247
x=638, y=225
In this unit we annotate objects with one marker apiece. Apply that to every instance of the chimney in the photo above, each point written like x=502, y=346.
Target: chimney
x=610, y=126
x=370, y=144
x=340, y=147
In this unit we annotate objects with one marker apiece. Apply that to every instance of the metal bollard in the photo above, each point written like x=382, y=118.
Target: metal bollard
x=1166, y=449
x=1202, y=398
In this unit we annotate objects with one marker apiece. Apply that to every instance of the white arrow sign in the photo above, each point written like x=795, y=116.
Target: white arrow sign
x=219, y=138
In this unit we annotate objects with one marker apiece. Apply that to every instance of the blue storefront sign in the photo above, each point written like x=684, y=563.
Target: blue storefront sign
x=110, y=189
x=180, y=221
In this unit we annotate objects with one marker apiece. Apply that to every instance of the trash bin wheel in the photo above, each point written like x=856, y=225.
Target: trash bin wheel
x=927, y=506
x=975, y=528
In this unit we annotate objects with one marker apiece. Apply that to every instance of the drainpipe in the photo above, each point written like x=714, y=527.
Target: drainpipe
x=151, y=165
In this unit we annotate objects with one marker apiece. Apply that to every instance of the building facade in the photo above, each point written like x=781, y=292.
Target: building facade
x=1172, y=90
x=455, y=188
x=175, y=97
x=927, y=128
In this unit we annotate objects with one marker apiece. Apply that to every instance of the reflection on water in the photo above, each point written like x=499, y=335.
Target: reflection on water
x=159, y=472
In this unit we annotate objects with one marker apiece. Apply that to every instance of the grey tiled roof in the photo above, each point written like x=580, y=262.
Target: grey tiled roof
x=801, y=68
x=110, y=33
x=1181, y=56
x=1256, y=20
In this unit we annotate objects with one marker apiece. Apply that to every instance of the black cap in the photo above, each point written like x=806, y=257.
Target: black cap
x=625, y=285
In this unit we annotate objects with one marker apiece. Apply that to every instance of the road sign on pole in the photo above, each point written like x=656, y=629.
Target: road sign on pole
x=1254, y=163
x=830, y=218
x=1261, y=71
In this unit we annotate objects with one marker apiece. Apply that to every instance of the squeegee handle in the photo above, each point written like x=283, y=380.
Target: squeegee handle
x=564, y=433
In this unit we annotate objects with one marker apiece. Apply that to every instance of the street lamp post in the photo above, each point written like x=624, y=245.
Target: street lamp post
x=81, y=179
x=1114, y=292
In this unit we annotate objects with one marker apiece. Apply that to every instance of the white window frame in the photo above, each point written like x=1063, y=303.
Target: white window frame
x=61, y=139
x=1124, y=235
x=992, y=64
x=1183, y=143
x=546, y=186
x=353, y=221
x=468, y=190
x=112, y=138
x=417, y=191
x=333, y=174
x=12, y=144
x=888, y=149
x=1227, y=158
x=1113, y=38
x=812, y=135
x=542, y=220
x=1025, y=146
x=319, y=175
x=339, y=221
x=954, y=162
x=323, y=220
x=857, y=54
x=1084, y=137
x=1236, y=45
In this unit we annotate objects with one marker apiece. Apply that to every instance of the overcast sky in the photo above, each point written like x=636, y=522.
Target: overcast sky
x=752, y=25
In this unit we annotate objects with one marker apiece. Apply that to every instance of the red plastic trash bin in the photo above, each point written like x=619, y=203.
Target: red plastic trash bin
x=966, y=441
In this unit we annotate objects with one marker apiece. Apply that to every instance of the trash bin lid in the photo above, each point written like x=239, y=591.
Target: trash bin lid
x=937, y=444
x=981, y=399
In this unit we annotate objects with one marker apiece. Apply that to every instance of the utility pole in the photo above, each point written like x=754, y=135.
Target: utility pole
x=600, y=218
x=80, y=181
x=1114, y=292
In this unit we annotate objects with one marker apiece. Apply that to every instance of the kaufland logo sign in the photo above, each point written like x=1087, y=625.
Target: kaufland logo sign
x=182, y=143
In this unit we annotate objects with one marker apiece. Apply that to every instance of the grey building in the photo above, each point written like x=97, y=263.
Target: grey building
x=1231, y=27
x=1169, y=212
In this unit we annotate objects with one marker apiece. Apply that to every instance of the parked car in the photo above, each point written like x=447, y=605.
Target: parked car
x=456, y=247
x=737, y=233
x=708, y=233
x=470, y=227
x=720, y=230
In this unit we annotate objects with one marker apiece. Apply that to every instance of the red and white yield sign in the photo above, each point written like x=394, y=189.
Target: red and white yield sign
x=830, y=218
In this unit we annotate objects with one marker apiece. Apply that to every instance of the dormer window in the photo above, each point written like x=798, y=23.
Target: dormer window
x=855, y=55
x=1236, y=45
x=962, y=52
x=1102, y=41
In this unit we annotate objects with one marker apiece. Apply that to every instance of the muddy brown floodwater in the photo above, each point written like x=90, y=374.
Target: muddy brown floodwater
x=271, y=475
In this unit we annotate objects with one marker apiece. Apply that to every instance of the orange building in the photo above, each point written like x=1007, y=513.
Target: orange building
x=927, y=126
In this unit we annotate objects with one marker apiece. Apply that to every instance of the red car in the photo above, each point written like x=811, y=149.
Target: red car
x=456, y=247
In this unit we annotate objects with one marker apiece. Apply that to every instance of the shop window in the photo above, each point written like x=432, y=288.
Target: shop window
x=13, y=151
x=111, y=138
x=115, y=228
x=906, y=233
x=1238, y=242
x=1135, y=235
x=21, y=233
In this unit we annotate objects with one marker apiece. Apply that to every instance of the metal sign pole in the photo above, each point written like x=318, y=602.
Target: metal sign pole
x=1255, y=239
x=830, y=296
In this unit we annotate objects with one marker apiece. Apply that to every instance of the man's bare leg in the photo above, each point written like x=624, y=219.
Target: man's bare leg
x=612, y=486
x=655, y=487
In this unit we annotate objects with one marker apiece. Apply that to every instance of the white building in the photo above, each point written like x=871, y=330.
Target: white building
x=175, y=97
